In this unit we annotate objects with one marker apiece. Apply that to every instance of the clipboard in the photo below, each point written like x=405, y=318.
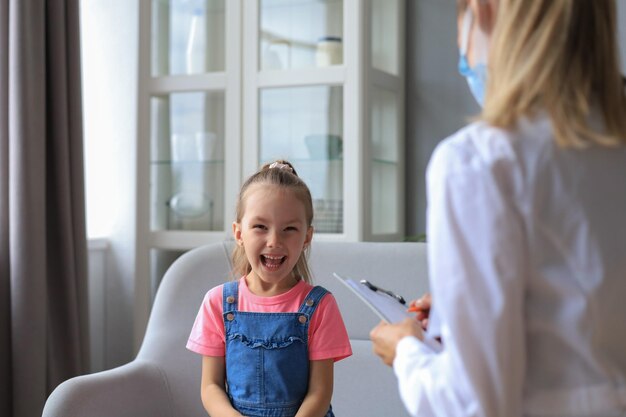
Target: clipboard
x=385, y=305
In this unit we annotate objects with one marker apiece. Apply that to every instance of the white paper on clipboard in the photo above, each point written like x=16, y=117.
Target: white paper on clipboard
x=385, y=307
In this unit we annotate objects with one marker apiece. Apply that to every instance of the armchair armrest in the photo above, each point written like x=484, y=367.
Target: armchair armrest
x=136, y=389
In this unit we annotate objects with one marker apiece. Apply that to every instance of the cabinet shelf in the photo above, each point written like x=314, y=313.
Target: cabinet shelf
x=170, y=162
x=268, y=4
x=385, y=162
x=315, y=161
x=334, y=75
x=182, y=83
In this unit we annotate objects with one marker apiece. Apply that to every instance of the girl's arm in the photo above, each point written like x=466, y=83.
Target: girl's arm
x=317, y=400
x=213, y=390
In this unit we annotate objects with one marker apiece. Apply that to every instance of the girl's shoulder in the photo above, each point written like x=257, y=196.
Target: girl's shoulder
x=214, y=296
x=308, y=289
x=327, y=299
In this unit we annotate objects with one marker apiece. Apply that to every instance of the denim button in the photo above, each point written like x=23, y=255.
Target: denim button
x=230, y=317
x=230, y=299
x=302, y=319
x=309, y=303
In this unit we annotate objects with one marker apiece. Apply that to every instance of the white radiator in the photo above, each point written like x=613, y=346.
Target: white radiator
x=98, y=252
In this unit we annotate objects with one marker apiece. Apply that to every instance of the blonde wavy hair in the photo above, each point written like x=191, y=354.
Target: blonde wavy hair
x=561, y=57
x=280, y=173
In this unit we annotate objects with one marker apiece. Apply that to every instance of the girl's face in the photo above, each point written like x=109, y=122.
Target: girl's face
x=273, y=232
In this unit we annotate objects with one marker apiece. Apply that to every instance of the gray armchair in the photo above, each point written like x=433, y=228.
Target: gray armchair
x=164, y=379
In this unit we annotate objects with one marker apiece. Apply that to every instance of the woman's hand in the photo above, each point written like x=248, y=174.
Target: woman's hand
x=421, y=306
x=385, y=337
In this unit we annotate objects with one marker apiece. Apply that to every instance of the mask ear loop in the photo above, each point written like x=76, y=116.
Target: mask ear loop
x=468, y=17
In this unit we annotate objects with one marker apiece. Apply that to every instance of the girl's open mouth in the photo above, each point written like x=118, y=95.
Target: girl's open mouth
x=272, y=262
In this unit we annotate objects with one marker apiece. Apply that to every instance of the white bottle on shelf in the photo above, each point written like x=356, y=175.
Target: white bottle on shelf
x=329, y=51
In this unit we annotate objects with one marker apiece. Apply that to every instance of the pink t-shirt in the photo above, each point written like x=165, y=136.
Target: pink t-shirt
x=328, y=337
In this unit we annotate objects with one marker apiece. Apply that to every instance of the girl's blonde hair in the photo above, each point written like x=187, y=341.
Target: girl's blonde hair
x=559, y=56
x=280, y=173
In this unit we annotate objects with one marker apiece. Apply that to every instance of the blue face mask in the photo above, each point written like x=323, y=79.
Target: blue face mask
x=476, y=78
x=477, y=75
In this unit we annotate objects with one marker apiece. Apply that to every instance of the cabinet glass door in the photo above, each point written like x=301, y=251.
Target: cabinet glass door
x=187, y=161
x=188, y=36
x=385, y=162
x=305, y=126
x=300, y=33
x=385, y=44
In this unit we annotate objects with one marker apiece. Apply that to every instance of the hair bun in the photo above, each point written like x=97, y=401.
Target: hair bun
x=282, y=165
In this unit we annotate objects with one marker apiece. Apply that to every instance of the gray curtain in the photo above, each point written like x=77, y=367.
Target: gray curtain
x=43, y=256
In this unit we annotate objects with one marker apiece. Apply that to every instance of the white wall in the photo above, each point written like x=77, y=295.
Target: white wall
x=438, y=99
x=109, y=48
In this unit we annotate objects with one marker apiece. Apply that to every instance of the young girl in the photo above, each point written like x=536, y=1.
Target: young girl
x=269, y=340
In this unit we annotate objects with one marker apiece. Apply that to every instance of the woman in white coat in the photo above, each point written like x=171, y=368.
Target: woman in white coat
x=527, y=224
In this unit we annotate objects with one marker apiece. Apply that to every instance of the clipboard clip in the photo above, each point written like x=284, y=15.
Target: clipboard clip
x=373, y=287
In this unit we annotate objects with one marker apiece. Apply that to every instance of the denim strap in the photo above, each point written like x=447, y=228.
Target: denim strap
x=312, y=300
x=230, y=289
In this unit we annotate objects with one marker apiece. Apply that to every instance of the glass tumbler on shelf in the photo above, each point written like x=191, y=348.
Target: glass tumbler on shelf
x=191, y=208
x=195, y=53
x=277, y=55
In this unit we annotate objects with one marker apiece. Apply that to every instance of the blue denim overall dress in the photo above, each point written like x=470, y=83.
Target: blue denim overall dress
x=267, y=363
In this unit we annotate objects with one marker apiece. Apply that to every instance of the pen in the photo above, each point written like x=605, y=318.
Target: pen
x=415, y=309
x=421, y=315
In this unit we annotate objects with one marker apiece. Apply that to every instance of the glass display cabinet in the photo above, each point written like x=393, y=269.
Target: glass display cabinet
x=227, y=85
x=323, y=86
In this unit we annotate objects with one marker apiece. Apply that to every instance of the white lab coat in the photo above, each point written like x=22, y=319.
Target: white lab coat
x=527, y=260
